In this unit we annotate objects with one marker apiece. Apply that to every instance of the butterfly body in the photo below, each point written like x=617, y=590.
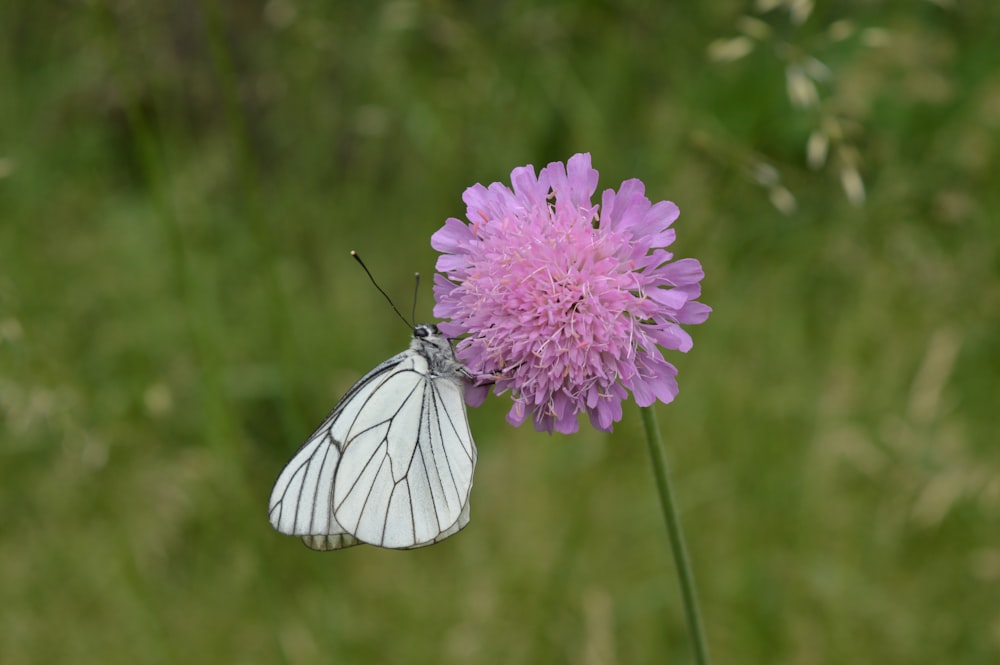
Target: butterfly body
x=392, y=464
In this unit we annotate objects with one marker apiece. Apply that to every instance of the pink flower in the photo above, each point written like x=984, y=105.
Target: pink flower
x=564, y=303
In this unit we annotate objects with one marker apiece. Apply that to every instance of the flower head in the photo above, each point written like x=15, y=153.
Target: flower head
x=562, y=302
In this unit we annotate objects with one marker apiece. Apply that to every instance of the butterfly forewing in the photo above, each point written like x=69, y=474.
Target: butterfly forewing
x=367, y=400
x=392, y=465
x=299, y=501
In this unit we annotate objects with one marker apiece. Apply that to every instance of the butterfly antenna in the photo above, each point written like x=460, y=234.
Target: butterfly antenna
x=416, y=292
x=380, y=289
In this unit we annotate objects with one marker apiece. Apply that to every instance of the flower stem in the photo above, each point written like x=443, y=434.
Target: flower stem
x=684, y=574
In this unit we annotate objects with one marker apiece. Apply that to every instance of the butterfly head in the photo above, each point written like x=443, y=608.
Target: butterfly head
x=427, y=337
x=436, y=348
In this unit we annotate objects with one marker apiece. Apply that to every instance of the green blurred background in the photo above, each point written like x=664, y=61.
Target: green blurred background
x=180, y=184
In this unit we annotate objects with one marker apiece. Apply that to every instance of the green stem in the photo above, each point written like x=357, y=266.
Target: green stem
x=684, y=574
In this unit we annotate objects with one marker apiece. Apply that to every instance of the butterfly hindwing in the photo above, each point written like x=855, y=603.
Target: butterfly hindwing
x=406, y=473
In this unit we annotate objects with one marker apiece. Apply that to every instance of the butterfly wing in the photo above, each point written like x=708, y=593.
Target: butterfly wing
x=406, y=473
x=391, y=465
x=300, y=501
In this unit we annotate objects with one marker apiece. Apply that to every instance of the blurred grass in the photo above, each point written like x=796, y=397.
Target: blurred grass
x=180, y=185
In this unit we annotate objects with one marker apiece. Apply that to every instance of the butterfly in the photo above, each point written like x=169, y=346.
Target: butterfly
x=392, y=464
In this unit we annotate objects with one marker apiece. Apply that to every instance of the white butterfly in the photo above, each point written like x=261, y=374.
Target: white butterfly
x=392, y=464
